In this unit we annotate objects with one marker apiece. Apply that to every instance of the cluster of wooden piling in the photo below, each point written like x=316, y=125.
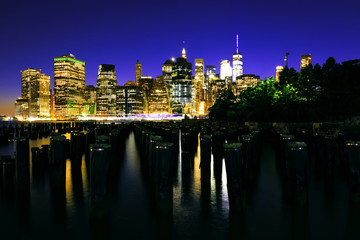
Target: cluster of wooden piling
x=100, y=143
x=326, y=148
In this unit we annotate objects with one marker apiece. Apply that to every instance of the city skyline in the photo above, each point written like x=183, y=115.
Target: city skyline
x=264, y=37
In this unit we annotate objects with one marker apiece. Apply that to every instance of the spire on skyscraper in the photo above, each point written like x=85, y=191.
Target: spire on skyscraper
x=183, y=51
x=237, y=43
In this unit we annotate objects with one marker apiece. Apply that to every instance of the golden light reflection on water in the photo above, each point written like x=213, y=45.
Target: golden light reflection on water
x=197, y=171
x=84, y=176
x=68, y=184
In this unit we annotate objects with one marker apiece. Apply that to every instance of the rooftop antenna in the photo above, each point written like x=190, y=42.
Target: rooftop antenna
x=287, y=59
x=237, y=43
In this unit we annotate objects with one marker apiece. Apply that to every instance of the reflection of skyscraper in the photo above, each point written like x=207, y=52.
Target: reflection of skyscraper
x=106, y=90
x=181, y=85
x=225, y=69
x=278, y=71
x=35, y=87
x=138, y=71
x=69, y=83
x=305, y=60
x=237, y=62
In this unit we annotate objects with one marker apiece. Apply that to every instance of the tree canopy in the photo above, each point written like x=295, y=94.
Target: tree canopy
x=315, y=93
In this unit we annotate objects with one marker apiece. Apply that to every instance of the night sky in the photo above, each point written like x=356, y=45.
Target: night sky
x=121, y=32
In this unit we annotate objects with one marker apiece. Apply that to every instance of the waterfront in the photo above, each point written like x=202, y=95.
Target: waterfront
x=268, y=214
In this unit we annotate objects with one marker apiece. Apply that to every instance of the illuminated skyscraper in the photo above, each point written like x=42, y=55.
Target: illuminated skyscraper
x=106, y=90
x=167, y=68
x=278, y=71
x=245, y=81
x=129, y=100
x=69, y=84
x=146, y=83
x=210, y=73
x=198, y=84
x=22, y=108
x=35, y=87
x=305, y=60
x=237, y=62
x=180, y=95
x=138, y=71
x=89, y=105
x=159, y=97
x=225, y=69
x=199, y=71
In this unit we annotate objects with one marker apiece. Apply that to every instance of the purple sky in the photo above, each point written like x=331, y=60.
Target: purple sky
x=114, y=32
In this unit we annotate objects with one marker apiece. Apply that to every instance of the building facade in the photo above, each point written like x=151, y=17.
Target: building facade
x=167, y=69
x=159, y=97
x=22, y=108
x=106, y=90
x=35, y=87
x=245, y=81
x=69, y=84
x=305, y=60
x=237, y=62
x=129, y=101
x=225, y=69
x=138, y=71
x=278, y=71
x=181, y=86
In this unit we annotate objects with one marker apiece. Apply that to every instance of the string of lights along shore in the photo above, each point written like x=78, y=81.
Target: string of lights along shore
x=177, y=92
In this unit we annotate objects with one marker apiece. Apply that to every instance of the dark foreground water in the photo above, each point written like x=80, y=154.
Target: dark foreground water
x=268, y=215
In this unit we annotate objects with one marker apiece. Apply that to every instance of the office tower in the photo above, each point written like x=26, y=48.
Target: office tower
x=69, y=84
x=237, y=62
x=198, y=84
x=138, y=71
x=167, y=68
x=106, y=90
x=129, y=101
x=199, y=71
x=22, y=108
x=305, y=60
x=159, y=98
x=217, y=87
x=89, y=105
x=225, y=69
x=210, y=73
x=245, y=81
x=35, y=87
x=181, y=86
x=278, y=71
x=26, y=77
x=146, y=83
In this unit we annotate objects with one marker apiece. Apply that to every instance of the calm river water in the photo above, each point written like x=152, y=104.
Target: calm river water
x=268, y=215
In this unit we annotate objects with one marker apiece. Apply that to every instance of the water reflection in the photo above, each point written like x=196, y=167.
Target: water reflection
x=200, y=210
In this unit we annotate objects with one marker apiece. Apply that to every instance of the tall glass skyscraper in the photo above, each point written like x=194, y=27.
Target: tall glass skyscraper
x=69, y=84
x=225, y=69
x=180, y=95
x=35, y=87
x=237, y=62
x=106, y=90
x=138, y=71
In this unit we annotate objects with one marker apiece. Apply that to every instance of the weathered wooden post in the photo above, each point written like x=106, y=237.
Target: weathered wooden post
x=100, y=155
x=22, y=158
x=233, y=163
x=164, y=189
x=298, y=169
x=77, y=149
x=353, y=149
